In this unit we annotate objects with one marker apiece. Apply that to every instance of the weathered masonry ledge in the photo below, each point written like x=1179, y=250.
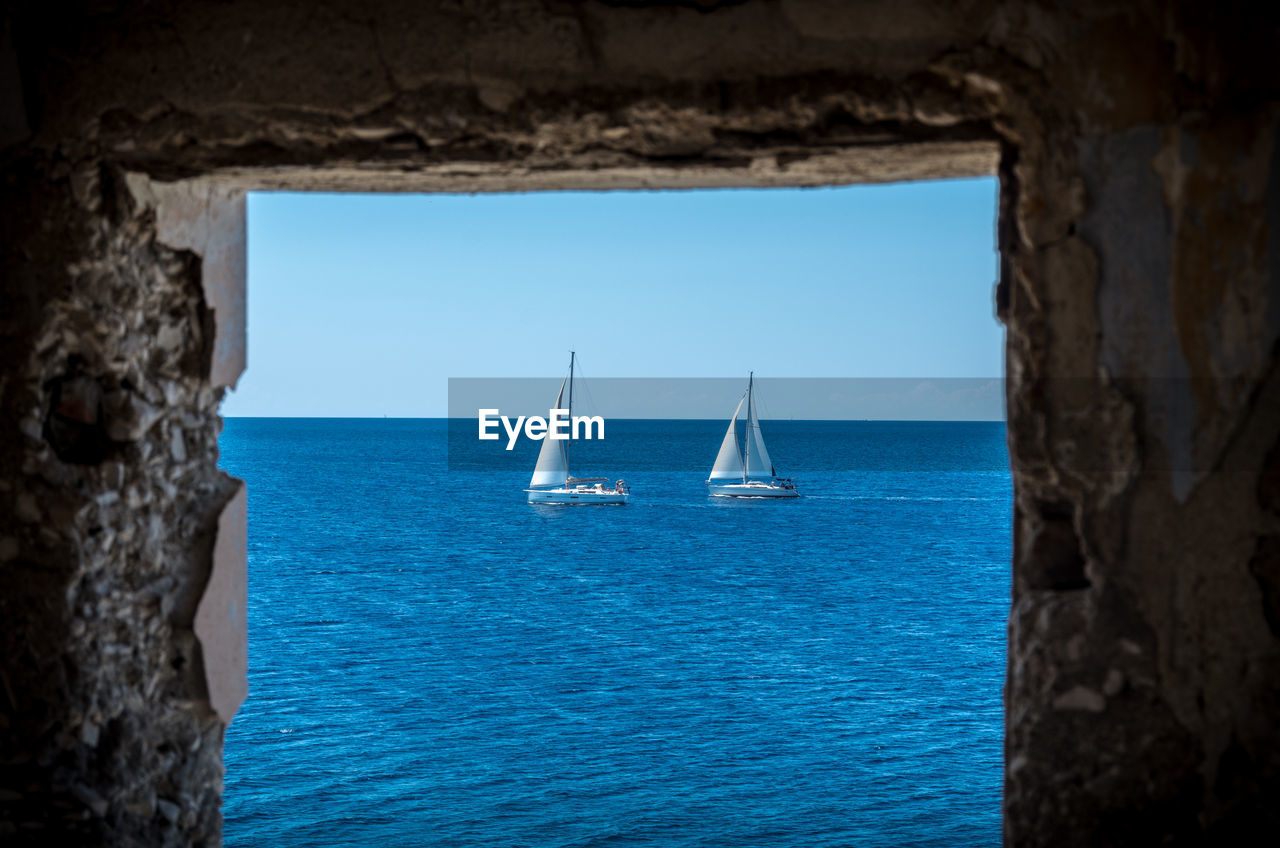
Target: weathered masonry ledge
x=1139, y=162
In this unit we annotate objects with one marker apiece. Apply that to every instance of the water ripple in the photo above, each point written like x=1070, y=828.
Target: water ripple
x=434, y=662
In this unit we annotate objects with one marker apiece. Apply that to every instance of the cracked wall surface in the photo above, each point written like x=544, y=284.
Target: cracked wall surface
x=110, y=502
x=1139, y=230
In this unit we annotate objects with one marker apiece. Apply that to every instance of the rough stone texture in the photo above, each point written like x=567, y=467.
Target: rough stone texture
x=1140, y=284
x=108, y=500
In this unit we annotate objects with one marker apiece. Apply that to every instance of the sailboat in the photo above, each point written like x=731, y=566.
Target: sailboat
x=551, y=483
x=747, y=472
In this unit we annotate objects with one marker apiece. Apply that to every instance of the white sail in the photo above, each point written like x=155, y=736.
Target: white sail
x=729, y=461
x=758, y=464
x=553, y=466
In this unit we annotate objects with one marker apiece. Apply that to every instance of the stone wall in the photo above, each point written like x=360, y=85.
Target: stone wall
x=110, y=500
x=1140, y=284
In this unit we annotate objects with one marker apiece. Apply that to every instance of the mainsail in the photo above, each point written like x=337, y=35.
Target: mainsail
x=729, y=461
x=553, y=466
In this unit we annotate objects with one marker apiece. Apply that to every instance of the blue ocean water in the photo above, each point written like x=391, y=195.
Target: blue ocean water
x=435, y=662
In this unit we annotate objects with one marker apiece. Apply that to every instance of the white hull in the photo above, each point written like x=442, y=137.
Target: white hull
x=751, y=490
x=577, y=495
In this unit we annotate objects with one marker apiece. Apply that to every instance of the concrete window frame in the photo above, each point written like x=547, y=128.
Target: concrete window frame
x=1139, y=216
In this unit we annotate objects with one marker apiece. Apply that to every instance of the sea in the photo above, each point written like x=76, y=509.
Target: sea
x=435, y=662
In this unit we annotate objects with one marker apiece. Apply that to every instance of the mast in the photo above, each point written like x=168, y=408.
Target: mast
x=569, y=441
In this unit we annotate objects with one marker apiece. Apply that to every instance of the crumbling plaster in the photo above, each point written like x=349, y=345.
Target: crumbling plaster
x=1140, y=265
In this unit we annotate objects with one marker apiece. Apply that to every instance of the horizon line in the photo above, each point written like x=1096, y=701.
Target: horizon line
x=476, y=418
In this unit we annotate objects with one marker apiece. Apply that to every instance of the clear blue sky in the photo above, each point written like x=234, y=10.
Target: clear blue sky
x=365, y=305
